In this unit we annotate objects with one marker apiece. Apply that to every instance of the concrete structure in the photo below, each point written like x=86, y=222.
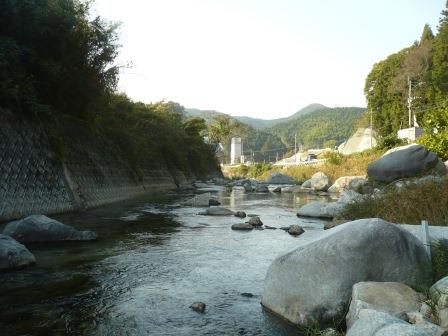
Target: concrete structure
x=364, y=138
x=411, y=134
x=236, y=150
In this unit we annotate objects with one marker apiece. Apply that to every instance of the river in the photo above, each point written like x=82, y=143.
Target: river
x=152, y=260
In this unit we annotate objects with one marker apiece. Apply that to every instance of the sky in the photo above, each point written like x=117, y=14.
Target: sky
x=259, y=58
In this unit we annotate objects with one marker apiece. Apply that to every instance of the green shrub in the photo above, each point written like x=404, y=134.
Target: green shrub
x=390, y=141
x=439, y=256
x=334, y=158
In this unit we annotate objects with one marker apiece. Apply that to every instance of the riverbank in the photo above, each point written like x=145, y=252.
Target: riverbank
x=57, y=167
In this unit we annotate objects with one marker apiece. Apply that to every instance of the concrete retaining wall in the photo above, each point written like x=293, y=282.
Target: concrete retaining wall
x=34, y=178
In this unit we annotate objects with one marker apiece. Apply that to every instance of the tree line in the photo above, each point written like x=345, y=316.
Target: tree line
x=56, y=60
x=423, y=69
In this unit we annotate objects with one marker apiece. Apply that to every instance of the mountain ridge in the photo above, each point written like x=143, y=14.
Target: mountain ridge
x=256, y=123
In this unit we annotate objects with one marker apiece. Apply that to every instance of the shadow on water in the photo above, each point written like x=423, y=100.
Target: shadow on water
x=153, y=259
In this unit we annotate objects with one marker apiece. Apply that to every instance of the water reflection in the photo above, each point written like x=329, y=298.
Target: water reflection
x=151, y=262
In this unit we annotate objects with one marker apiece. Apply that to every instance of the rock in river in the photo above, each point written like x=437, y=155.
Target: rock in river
x=279, y=178
x=255, y=221
x=314, y=281
x=242, y=227
x=39, y=228
x=295, y=230
x=13, y=254
x=401, y=162
x=217, y=211
x=198, y=307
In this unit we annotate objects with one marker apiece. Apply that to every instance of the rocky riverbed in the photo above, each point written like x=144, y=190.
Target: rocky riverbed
x=152, y=260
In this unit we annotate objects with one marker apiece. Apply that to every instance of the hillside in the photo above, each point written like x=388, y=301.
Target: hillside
x=327, y=125
x=257, y=123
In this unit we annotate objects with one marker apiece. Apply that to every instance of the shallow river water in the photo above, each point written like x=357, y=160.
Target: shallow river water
x=152, y=260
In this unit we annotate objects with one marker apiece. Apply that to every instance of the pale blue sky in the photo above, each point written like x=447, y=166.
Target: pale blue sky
x=265, y=58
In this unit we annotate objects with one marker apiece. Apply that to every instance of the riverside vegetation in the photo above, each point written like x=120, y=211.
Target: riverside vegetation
x=57, y=70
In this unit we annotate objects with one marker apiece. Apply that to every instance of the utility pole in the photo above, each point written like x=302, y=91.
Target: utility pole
x=410, y=101
x=295, y=147
x=371, y=128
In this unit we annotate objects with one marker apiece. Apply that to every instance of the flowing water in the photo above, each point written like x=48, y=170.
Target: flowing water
x=152, y=260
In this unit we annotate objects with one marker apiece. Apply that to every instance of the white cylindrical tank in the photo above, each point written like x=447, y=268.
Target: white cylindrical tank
x=235, y=150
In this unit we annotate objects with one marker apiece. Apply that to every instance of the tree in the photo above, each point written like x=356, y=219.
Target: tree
x=55, y=58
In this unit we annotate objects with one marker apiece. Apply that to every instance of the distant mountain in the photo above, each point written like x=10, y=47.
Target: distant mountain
x=323, y=126
x=257, y=123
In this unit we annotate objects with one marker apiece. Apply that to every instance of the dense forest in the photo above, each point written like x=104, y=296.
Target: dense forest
x=421, y=69
x=57, y=62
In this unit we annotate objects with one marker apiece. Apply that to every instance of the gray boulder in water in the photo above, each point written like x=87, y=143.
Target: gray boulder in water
x=217, y=211
x=279, y=178
x=402, y=162
x=13, y=254
x=313, y=282
x=39, y=228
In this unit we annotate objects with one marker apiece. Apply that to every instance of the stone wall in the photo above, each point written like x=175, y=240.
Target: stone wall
x=38, y=177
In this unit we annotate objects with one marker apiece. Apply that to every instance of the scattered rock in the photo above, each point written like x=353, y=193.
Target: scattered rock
x=401, y=162
x=375, y=323
x=270, y=227
x=306, y=184
x=339, y=258
x=279, y=178
x=291, y=189
x=277, y=189
x=262, y=188
x=285, y=228
x=13, y=254
x=213, y=202
x=330, y=332
x=320, y=209
x=334, y=223
x=295, y=230
x=350, y=196
x=320, y=182
x=345, y=182
x=248, y=295
x=389, y=297
x=242, y=227
x=240, y=214
x=202, y=200
x=39, y=228
x=198, y=307
x=217, y=211
x=255, y=221
x=419, y=320
x=439, y=294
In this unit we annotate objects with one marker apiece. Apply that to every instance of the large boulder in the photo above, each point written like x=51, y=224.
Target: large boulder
x=279, y=178
x=39, y=228
x=390, y=297
x=13, y=254
x=313, y=282
x=345, y=182
x=402, y=162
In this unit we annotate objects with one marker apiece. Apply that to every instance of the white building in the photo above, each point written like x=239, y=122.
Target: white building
x=236, y=151
x=411, y=134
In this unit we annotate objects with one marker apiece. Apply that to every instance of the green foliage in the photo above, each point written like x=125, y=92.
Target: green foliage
x=334, y=158
x=314, y=129
x=54, y=57
x=389, y=141
x=436, y=131
x=439, y=258
x=409, y=204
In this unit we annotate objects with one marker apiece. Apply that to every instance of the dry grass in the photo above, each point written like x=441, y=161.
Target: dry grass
x=410, y=204
x=352, y=165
